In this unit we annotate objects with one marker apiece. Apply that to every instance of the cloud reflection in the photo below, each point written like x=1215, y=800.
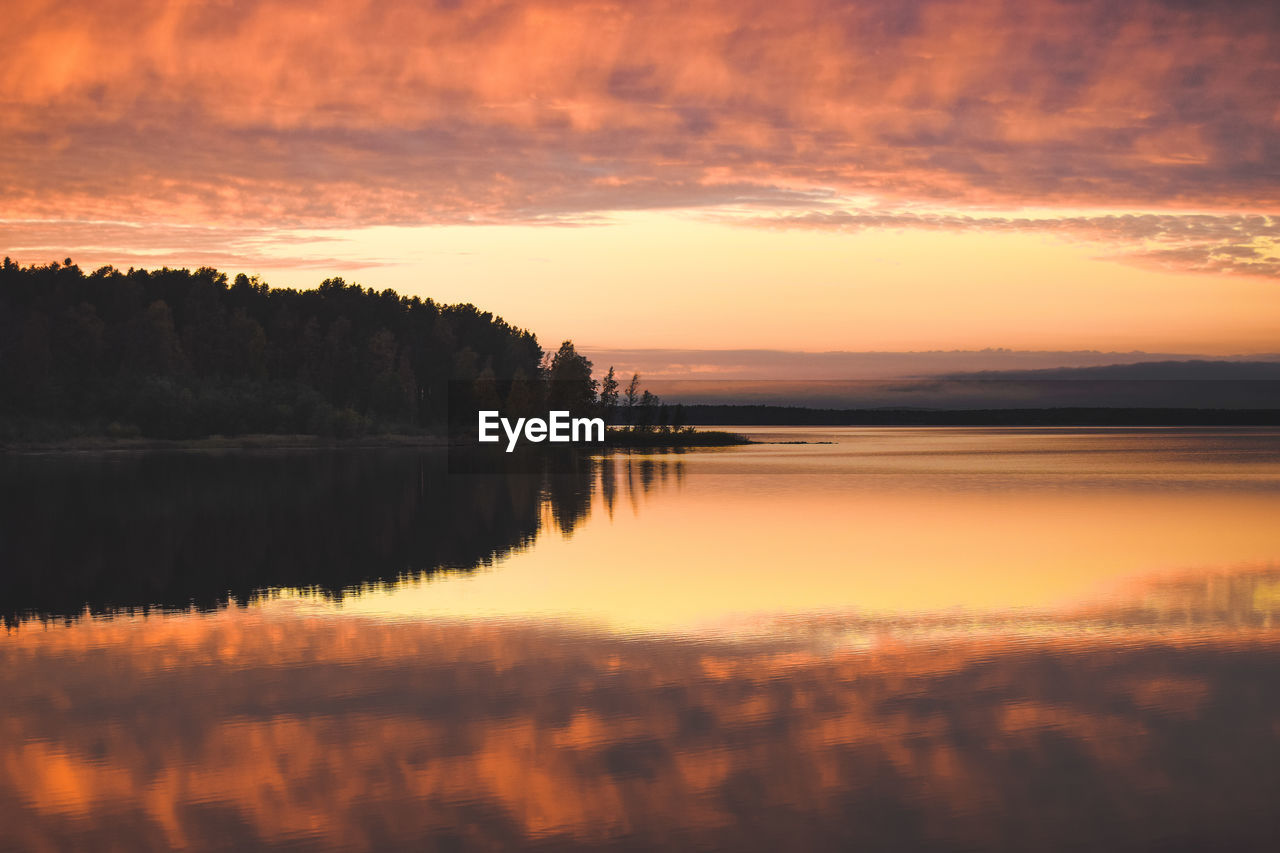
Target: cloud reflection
x=272, y=727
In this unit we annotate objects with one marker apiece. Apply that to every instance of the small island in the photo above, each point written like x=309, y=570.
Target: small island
x=685, y=437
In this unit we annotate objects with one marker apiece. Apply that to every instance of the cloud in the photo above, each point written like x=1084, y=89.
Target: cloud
x=1228, y=243
x=1213, y=258
x=333, y=114
x=155, y=244
x=797, y=368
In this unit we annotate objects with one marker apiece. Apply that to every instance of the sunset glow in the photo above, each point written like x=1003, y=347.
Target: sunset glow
x=925, y=175
x=628, y=425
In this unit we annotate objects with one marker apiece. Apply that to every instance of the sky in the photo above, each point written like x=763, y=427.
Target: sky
x=812, y=176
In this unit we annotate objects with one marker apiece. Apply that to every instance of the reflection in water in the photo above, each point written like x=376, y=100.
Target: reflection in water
x=886, y=523
x=238, y=729
x=955, y=639
x=182, y=529
x=176, y=530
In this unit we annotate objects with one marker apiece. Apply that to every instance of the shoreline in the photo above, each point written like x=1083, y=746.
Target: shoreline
x=618, y=440
x=251, y=441
x=384, y=441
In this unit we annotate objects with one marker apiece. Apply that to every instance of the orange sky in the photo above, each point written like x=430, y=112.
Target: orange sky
x=814, y=175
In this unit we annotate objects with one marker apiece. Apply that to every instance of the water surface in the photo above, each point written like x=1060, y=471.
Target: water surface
x=942, y=638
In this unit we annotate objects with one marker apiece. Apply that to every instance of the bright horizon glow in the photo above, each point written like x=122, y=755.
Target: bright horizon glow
x=677, y=279
x=807, y=176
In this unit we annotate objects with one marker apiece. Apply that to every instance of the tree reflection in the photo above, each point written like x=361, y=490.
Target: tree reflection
x=175, y=530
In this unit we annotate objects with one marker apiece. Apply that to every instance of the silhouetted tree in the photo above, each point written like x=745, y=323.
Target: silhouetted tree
x=632, y=395
x=525, y=397
x=645, y=412
x=571, y=385
x=183, y=353
x=608, y=396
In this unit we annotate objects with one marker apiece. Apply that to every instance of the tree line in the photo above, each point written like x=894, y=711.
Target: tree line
x=567, y=383
x=178, y=353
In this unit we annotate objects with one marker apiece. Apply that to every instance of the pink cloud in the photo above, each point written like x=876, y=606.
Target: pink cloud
x=340, y=114
x=1217, y=243
x=125, y=244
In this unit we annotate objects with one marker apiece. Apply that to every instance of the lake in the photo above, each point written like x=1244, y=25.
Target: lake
x=937, y=638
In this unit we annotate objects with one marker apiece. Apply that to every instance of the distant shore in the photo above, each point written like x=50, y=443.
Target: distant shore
x=270, y=441
x=714, y=415
x=705, y=415
x=680, y=438
x=264, y=441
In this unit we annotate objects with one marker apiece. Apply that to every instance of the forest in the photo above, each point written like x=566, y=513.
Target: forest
x=176, y=354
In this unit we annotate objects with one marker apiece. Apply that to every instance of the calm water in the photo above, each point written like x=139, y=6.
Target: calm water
x=913, y=638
